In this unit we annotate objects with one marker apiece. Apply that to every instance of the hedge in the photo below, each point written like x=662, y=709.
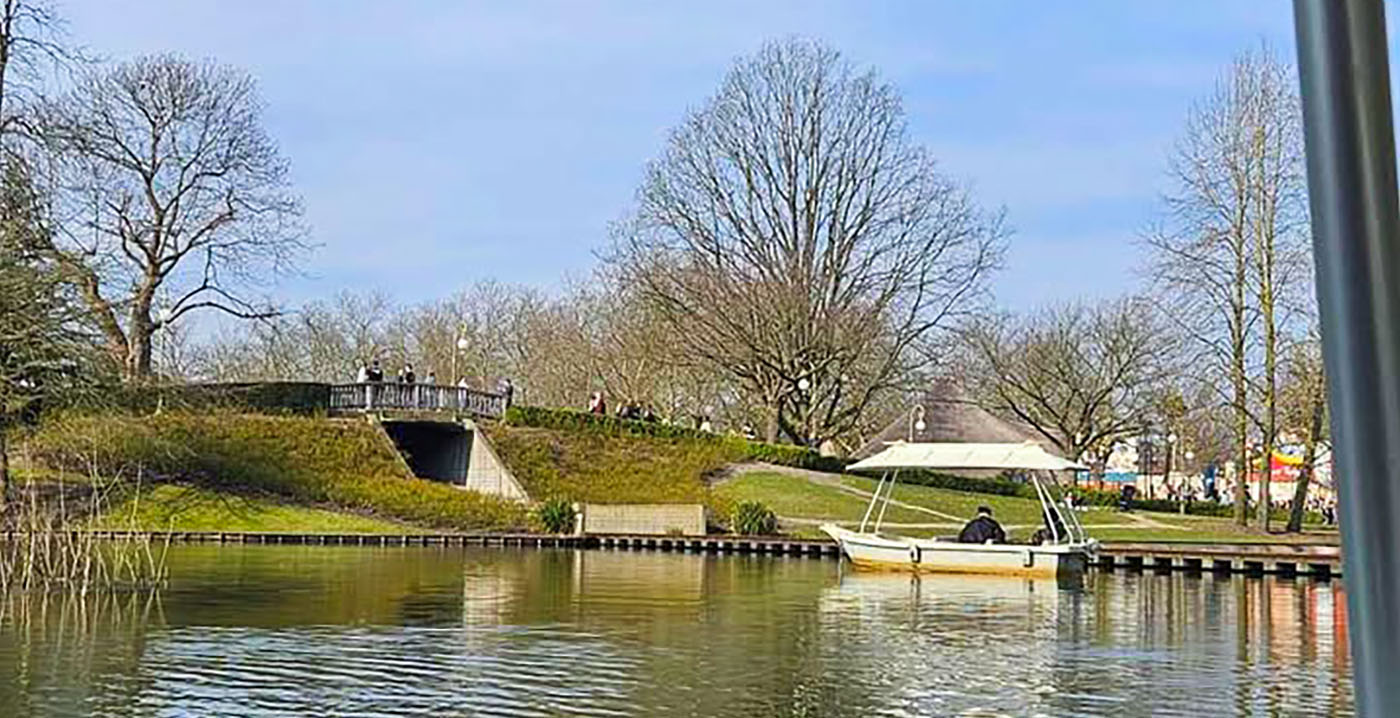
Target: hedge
x=277, y=398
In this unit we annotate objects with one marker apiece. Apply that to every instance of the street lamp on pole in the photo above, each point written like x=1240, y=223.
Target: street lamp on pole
x=1171, y=454
x=916, y=421
x=460, y=346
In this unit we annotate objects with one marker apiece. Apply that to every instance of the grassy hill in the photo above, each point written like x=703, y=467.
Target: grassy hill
x=581, y=457
x=343, y=466
x=232, y=471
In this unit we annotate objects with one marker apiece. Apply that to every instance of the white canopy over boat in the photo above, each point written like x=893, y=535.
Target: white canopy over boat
x=946, y=456
x=1063, y=547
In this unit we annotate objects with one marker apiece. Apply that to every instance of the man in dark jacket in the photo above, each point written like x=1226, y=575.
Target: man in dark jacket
x=982, y=529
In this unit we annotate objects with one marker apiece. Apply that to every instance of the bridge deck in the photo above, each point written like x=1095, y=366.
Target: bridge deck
x=379, y=396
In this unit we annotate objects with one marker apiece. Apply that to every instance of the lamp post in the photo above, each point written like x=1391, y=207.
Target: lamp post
x=916, y=421
x=1171, y=454
x=804, y=401
x=459, y=346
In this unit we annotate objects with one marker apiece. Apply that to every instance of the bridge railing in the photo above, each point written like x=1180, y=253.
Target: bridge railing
x=374, y=396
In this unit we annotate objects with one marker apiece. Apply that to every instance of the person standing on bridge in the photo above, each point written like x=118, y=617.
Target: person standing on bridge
x=407, y=376
x=362, y=377
x=507, y=389
x=376, y=374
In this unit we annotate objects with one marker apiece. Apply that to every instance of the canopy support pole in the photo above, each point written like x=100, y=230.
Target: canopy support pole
x=894, y=475
x=873, y=499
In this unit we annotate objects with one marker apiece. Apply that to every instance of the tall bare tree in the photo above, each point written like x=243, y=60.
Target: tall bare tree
x=172, y=198
x=31, y=47
x=1234, y=242
x=1304, y=403
x=794, y=236
x=1081, y=375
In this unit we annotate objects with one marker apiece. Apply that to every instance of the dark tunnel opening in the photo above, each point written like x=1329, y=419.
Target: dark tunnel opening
x=434, y=450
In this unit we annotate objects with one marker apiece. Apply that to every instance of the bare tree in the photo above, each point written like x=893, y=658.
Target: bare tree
x=1234, y=242
x=1304, y=402
x=323, y=341
x=1082, y=376
x=794, y=235
x=31, y=47
x=172, y=198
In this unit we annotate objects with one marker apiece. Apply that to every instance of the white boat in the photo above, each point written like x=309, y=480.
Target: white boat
x=1065, y=552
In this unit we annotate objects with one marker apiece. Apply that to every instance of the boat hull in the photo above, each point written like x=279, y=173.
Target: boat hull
x=872, y=551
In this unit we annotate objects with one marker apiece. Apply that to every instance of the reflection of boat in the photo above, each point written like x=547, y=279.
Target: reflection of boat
x=978, y=587
x=1066, y=550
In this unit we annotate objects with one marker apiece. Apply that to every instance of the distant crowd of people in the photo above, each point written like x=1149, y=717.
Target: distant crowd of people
x=637, y=411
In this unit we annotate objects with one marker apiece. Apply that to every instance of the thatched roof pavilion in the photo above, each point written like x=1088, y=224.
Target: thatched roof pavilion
x=951, y=415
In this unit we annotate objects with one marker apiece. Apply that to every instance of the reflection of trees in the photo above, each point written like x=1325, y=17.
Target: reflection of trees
x=68, y=654
x=282, y=586
x=1248, y=646
x=436, y=629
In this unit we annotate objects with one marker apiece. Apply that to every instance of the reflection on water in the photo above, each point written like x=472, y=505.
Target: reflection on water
x=271, y=630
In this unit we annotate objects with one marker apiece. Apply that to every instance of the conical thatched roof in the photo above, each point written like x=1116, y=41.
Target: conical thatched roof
x=951, y=415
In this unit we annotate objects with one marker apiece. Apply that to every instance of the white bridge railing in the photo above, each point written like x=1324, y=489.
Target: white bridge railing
x=374, y=396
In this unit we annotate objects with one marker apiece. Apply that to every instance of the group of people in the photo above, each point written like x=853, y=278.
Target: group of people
x=598, y=405
x=635, y=411
x=372, y=373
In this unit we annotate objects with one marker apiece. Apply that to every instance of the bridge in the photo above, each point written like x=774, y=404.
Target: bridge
x=437, y=398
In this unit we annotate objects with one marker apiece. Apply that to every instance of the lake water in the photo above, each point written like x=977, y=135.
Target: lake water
x=274, y=630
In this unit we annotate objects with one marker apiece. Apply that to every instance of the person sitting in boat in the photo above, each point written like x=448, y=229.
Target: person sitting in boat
x=1053, y=531
x=983, y=529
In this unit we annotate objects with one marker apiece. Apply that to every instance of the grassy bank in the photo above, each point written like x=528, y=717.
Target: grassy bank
x=593, y=467
x=346, y=465
x=804, y=500
x=188, y=508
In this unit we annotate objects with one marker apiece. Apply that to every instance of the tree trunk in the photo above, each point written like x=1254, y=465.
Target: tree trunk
x=4, y=471
x=139, y=344
x=1264, y=239
x=770, y=429
x=1241, y=441
x=1300, y=492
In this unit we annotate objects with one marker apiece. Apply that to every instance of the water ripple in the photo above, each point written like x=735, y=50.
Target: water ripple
x=421, y=632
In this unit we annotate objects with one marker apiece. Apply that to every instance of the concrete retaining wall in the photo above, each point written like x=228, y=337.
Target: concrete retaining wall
x=487, y=473
x=641, y=519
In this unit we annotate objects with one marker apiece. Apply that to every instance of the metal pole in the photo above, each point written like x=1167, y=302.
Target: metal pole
x=1345, y=80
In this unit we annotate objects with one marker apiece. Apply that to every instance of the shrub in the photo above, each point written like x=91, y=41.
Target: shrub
x=275, y=397
x=556, y=516
x=753, y=518
x=1000, y=485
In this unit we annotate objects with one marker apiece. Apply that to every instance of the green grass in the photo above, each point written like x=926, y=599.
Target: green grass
x=189, y=508
x=594, y=467
x=347, y=464
x=795, y=497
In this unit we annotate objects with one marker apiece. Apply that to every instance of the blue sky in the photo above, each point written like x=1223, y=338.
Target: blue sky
x=438, y=143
